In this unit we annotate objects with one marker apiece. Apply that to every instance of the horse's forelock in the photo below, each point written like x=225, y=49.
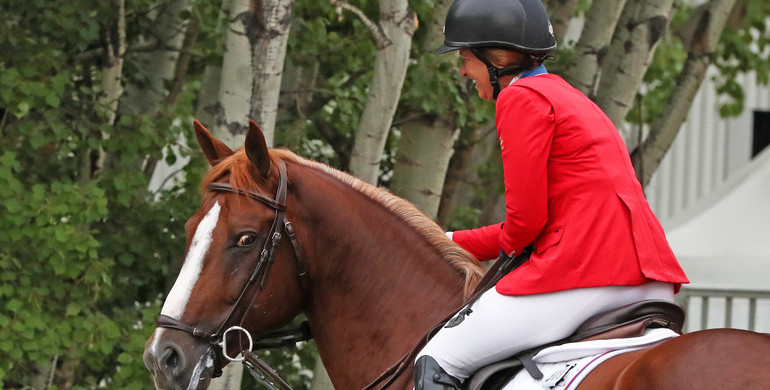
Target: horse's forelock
x=241, y=175
x=239, y=169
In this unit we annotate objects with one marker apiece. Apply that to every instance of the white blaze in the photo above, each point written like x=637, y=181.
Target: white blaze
x=191, y=269
x=180, y=294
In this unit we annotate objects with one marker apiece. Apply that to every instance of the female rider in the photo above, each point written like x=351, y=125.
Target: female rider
x=570, y=192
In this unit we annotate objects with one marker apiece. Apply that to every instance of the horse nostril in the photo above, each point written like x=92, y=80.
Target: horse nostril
x=170, y=359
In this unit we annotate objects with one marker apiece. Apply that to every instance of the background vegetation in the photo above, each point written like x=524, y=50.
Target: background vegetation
x=88, y=249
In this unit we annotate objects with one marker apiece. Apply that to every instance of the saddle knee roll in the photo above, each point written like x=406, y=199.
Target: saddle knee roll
x=428, y=375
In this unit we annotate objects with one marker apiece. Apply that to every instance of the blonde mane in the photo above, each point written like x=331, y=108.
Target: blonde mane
x=239, y=168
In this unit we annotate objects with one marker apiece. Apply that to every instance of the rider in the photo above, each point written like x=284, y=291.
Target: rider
x=570, y=191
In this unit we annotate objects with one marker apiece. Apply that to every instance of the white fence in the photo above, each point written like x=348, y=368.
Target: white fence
x=712, y=308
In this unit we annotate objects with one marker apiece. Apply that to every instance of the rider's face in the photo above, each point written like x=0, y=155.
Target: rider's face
x=474, y=69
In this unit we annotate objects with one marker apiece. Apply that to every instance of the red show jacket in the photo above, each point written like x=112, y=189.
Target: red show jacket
x=570, y=189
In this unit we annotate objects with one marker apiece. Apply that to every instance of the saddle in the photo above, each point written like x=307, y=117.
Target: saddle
x=627, y=321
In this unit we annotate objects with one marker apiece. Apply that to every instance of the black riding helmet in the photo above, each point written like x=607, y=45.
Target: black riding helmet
x=520, y=25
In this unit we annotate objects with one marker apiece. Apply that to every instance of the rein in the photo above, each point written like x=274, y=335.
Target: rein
x=260, y=273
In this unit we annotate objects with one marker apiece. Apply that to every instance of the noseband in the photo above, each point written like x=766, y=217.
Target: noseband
x=261, y=271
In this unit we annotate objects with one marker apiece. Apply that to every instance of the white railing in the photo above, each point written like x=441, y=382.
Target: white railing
x=722, y=308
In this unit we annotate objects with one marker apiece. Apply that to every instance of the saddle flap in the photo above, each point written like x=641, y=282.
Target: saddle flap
x=493, y=376
x=660, y=313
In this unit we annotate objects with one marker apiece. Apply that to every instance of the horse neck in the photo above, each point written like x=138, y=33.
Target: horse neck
x=377, y=286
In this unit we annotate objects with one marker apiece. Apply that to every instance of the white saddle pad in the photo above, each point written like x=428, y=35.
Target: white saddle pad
x=565, y=366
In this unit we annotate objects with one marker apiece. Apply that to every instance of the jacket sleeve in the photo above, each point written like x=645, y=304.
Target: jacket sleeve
x=525, y=126
x=482, y=242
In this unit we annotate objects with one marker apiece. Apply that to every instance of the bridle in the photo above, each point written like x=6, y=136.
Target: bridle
x=218, y=337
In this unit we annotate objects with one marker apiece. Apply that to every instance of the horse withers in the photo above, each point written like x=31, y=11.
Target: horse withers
x=277, y=235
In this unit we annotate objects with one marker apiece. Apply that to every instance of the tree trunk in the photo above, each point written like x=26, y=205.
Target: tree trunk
x=397, y=23
x=232, y=107
x=458, y=171
x=561, y=13
x=231, y=378
x=426, y=145
x=248, y=86
x=421, y=163
x=273, y=21
x=112, y=72
x=642, y=24
x=158, y=64
x=591, y=48
x=64, y=378
x=707, y=28
x=112, y=87
x=321, y=379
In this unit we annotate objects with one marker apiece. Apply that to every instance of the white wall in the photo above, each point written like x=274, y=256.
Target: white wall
x=708, y=151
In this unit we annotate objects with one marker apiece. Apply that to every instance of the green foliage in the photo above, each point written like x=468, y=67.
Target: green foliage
x=85, y=249
x=743, y=48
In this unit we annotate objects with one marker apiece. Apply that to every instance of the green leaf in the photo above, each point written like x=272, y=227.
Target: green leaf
x=13, y=205
x=126, y=258
x=73, y=309
x=13, y=305
x=22, y=109
x=62, y=235
x=52, y=100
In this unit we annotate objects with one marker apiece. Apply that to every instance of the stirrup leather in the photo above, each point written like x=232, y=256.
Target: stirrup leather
x=428, y=375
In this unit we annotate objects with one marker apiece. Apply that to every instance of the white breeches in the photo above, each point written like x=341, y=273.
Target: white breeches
x=500, y=325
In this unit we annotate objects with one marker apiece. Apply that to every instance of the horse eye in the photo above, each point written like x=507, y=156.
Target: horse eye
x=246, y=239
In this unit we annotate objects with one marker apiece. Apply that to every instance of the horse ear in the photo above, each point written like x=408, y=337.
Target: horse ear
x=256, y=149
x=214, y=149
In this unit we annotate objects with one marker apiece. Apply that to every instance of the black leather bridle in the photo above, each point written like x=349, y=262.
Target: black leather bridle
x=261, y=271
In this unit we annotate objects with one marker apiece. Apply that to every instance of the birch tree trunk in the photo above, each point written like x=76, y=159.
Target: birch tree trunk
x=708, y=26
x=460, y=172
x=112, y=72
x=161, y=66
x=427, y=141
x=248, y=87
x=273, y=22
x=158, y=64
x=231, y=110
x=421, y=163
x=397, y=24
x=561, y=13
x=642, y=24
x=112, y=86
x=591, y=48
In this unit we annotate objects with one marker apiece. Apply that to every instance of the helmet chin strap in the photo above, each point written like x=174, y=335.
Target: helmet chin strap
x=495, y=73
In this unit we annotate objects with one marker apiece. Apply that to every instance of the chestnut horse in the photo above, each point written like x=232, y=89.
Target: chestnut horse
x=371, y=273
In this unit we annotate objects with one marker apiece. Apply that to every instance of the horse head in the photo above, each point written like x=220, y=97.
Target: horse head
x=236, y=282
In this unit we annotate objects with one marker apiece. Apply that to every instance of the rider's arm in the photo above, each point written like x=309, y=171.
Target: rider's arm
x=482, y=242
x=525, y=125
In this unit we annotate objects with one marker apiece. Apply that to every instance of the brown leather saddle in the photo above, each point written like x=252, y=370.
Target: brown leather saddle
x=627, y=321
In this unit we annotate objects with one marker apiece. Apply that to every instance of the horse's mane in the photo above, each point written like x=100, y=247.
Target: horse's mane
x=239, y=169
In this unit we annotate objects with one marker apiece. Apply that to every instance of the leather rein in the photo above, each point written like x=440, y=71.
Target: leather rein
x=217, y=338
